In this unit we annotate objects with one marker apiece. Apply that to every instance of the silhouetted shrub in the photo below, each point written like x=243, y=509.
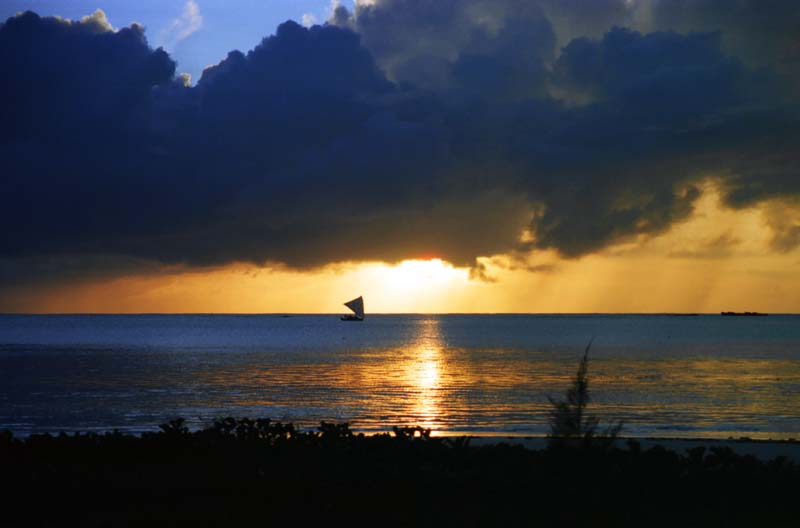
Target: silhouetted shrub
x=407, y=433
x=570, y=424
x=333, y=431
x=176, y=427
x=259, y=472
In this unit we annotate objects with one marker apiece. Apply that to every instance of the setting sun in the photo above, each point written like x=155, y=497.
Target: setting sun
x=414, y=274
x=411, y=284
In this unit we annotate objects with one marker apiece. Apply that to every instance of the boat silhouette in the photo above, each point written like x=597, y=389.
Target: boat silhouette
x=357, y=306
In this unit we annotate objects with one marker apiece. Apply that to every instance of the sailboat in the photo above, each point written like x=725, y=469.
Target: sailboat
x=357, y=305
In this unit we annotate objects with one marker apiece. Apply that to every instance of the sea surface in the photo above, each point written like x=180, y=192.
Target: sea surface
x=703, y=376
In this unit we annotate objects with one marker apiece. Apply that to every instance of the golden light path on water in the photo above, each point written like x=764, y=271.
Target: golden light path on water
x=451, y=374
x=452, y=390
x=423, y=375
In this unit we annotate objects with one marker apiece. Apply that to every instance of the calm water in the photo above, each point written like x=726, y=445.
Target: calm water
x=704, y=376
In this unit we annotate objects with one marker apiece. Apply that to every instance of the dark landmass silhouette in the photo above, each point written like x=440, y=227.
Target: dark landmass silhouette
x=269, y=473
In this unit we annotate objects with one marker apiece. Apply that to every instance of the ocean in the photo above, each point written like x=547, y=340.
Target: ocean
x=704, y=376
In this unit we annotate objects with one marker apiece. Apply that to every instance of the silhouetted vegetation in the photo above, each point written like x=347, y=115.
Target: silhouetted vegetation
x=262, y=473
x=570, y=424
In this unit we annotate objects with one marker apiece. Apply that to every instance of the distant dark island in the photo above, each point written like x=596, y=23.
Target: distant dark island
x=745, y=314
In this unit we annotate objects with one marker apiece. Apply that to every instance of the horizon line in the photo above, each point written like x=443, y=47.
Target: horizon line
x=387, y=313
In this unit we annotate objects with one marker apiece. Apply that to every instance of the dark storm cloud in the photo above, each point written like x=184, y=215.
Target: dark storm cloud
x=651, y=114
x=404, y=129
x=495, y=49
x=580, y=18
x=630, y=157
x=299, y=152
x=75, y=101
x=758, y=31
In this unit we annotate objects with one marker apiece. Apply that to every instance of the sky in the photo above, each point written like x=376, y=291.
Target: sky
x=196, y=33
x=433, y=156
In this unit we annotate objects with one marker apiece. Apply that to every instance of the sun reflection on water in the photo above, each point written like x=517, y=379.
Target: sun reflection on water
x=432, y=380
x=422, y=372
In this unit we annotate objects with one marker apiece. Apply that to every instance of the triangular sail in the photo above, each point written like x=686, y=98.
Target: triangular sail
x=357, y=305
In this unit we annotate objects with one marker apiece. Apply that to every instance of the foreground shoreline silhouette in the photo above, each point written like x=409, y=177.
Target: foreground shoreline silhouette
x=244, y=470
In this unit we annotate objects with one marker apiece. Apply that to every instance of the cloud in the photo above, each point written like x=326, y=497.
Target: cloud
x=718, y=247
x=577, y=18
x=77, y=102
x=399, y=130
x=783, y=217
x=457, y=46
x=759, y=32
x=309, y=19
x=189, y=21
x=480, y=272
x=99, y=20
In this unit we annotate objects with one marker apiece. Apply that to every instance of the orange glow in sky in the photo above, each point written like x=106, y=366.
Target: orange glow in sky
x=719, y=259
